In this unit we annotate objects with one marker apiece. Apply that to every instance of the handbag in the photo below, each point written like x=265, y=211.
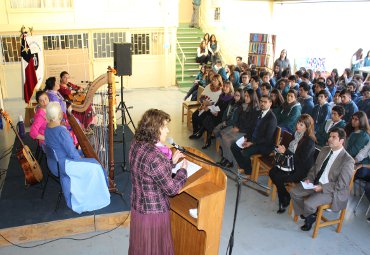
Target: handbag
x=284, y=162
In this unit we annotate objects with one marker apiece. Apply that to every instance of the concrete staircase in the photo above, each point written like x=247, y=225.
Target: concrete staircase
x=189, y=40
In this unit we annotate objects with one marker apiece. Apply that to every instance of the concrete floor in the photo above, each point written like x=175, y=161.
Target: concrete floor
x=259, y=230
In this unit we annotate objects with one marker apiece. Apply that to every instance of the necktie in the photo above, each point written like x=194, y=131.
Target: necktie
x=317, y=178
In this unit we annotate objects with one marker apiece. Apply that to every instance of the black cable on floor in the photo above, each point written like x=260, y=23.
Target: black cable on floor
x=67, y=238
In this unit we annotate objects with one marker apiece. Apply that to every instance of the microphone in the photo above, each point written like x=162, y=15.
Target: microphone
x=172, y=142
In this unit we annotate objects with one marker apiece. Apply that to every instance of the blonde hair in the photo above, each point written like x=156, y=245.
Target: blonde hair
x=53, y=111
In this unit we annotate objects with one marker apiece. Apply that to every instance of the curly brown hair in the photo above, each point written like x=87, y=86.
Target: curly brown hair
x=150, y=124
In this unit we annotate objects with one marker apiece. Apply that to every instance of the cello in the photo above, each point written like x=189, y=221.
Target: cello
x=29, y=164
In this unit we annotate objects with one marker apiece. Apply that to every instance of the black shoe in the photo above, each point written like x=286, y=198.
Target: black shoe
x=208, y=143
x=302, y=217
x=282, y=208
x=229, y=164
x=222, y=161
x=368, y=220
x=193, y=136
x=310, y=219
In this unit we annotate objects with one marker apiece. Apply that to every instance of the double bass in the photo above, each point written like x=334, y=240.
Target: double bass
x=29, y=164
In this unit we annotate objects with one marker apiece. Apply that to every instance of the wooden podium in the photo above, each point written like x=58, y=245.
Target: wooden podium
x=206, y=191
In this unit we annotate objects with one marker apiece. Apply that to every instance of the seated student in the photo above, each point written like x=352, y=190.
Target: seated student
x=337, y=100
x=244, y=125
x=322, y=134
x=283, y=86
x=200, y=80
x=305, y=99
x=233, y=76
x=330, y=84
x=231, y=114
x=298, y=76
x=358, y=131
x=84, y=181
x=276, y=76
x=364, y=103
x=321, y=112
x=265, y=89
x=293, y=82
x=266, y=77
x=317, y=88
x=331, y=174
x=245, y=77
x=260, y=140
x=214, y=118
x=217, y=67
x=213, y=48
x=362, y=160
x=306, y=78
x=277, y=101
x=349, y=106
x=302, y=149
x=290, y=112
x=202, y=54
x=255, y=84
x=210, y=95
x=351, y=86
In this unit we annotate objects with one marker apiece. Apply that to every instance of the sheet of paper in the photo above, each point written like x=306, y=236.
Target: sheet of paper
x=308, y=185
x=214, y=108
x=240, y=142
x=192, y=168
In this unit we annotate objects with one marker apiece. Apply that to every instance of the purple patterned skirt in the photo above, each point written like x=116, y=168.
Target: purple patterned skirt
x=150, y=234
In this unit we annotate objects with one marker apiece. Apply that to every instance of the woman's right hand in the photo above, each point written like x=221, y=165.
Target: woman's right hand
x=184, y=164
x=281, y=149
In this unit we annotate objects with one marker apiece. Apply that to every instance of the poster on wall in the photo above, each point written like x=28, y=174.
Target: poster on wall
x=315, y=64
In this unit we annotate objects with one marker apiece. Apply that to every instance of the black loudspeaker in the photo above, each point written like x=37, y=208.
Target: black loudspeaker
x=122, y=58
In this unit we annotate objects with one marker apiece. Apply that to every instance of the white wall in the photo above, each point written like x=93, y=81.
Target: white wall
x=331, y=30
x=88, y=16
x=238, y=19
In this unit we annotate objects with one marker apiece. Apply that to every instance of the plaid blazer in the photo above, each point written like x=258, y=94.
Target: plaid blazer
x=151, y=176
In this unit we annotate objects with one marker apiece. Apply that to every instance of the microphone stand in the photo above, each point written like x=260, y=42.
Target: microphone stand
x=239, y=179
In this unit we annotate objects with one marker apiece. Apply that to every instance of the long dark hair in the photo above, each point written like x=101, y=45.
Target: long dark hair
x=150, y=124
x=308, y=121
x=279, y=98
x=255, y=103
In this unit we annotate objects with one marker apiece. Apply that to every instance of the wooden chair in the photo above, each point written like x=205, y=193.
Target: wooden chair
x=262, y=164
x=191, y=104
x=326, y=221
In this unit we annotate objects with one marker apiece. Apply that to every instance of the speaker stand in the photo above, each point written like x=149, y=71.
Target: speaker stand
x=124, y=112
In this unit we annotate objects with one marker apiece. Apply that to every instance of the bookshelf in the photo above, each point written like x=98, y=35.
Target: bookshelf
x=261, y=50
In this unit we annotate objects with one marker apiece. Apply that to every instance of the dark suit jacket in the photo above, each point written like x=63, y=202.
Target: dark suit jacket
x=265, y=133
x=303, y=159
x=340, y=175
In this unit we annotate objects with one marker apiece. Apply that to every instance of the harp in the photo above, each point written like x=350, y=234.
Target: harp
x=87, y=148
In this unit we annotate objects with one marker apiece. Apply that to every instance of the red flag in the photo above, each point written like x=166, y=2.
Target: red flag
x=30, y=80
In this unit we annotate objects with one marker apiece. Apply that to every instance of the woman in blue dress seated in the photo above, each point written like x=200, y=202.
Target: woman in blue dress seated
x=84, y=181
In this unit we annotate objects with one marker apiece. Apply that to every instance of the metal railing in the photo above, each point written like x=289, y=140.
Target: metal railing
x=182, y=60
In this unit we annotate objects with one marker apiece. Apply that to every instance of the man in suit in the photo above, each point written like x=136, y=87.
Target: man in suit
x=331, y=176
x=261, y=140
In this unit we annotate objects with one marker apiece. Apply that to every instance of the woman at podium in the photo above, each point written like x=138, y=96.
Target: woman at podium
x=152, y=184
